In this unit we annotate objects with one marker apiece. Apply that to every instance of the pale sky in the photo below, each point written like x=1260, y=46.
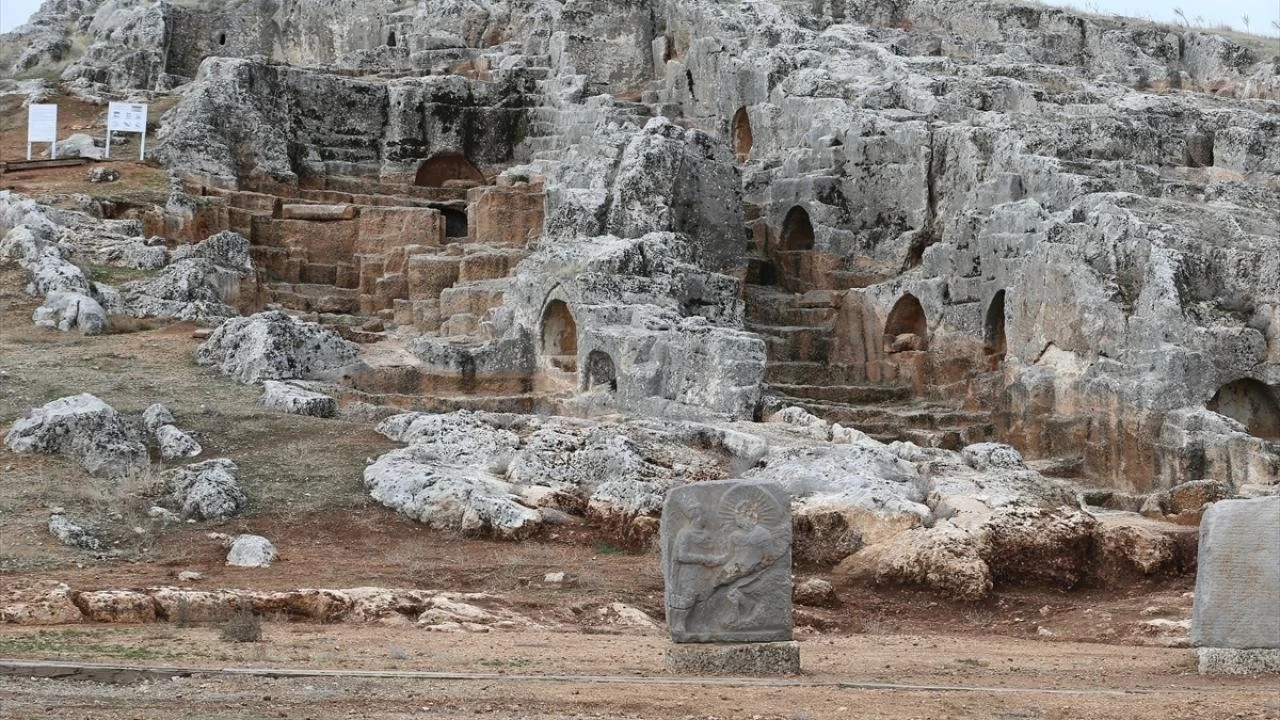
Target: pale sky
x=1214, y=12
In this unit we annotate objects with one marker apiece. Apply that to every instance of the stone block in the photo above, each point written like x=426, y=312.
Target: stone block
x=761, y=658
x=382, y=229
x=726, y=561
x=318, y=212
x=1237, y=600
x=428, y=275
x=505, y=215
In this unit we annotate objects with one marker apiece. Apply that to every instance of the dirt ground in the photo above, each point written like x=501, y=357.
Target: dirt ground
x=1025, y=653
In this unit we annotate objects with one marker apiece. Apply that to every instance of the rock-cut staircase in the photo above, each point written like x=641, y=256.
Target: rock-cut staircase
x=799, y=333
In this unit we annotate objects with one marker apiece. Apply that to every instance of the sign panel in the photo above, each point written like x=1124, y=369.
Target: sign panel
x=42, y=123
x=127, y=117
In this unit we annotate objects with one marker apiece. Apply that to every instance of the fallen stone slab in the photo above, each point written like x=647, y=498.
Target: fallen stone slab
x=287, y=397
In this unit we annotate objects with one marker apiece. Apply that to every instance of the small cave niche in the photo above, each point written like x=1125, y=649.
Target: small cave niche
x=797, y=230
x=455, y=223
x=742, y=138
x=443, y=167
x=1252, y=403
x=222, y=38
x=1198, y=152
x=994, y=342
x=559, y=331
x=391, y=38
x=601, y=371
x=907, y=327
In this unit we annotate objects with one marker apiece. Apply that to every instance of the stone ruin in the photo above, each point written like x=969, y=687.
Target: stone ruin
x=987, y=260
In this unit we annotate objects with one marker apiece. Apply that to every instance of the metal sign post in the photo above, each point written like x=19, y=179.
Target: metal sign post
x=127, y=117
x=42, y=126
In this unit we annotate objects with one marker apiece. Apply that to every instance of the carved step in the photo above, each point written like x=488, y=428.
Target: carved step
x=849, y=394
x=789, y=343
x=813, y=373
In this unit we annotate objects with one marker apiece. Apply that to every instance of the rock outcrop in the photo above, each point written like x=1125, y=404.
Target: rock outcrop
x=287, y=397
x=86, y=431
x=206, y=490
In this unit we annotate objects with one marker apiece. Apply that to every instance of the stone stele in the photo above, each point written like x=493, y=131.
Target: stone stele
x=726, y=559
x=1235, y=624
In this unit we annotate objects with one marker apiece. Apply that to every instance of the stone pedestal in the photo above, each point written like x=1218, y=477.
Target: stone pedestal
x=1235, y=661
x=762, y=658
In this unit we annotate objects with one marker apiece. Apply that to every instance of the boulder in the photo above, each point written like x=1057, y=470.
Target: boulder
x=943, y=558
x=85, y=430
x=156, y=415
x=251, y=551
x=71, y=534
x=448, y=497
x=815, y=592
x=274, y=346
x=287, y=397
x=206, y=490
x=1039, y=546
x=79, y=145
x=68, y=311
x=175, y=443
x=54, y=608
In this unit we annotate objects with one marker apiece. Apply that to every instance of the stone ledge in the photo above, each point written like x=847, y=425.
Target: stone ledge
x=1227, y=661
x=769, y=658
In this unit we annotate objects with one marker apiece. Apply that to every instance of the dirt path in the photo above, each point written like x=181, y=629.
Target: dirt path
x=554, y=675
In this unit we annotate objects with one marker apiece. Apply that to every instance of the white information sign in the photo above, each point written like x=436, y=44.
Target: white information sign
x=127, y=117
x=42, y=126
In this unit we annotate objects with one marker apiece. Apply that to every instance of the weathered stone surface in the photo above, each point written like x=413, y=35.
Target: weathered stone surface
x=290, y=398
x=274, y=346
x=1238, y=661
x=71, y=534
x=726, y=558
x=759, y=658
x=156, y=415
x=1238, y=576
x=206, y=490
x=85, y=430
x=944, y=558
x=251, y=551
x=815, y=592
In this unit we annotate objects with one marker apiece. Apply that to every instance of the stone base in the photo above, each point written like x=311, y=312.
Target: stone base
x=1228, y=661
x=765, y=658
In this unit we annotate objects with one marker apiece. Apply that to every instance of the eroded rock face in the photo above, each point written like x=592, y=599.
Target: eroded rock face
x=68, y=311
x=86, y=431
x=71, y=534
x=274, y=346
x=206, y=490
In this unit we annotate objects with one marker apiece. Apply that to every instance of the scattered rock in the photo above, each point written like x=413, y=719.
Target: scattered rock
x=815, y=592
x=155, y=416
x=287, y=397
x=71, y=534
x=190, y=576
x=175, y=443
x=206, y=490
x=251, y=551
x=85, y=430
x=102, y=175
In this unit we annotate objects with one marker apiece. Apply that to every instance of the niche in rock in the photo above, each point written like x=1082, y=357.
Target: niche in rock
x=222, y=38
x=391, y=39
x=442, y=167
x=559, y=331
x=601, y=371
x=1251, y=403
x=994, y=337
x=907, y=328
x=742, y=138
x=455, y=223
x=797, y=231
